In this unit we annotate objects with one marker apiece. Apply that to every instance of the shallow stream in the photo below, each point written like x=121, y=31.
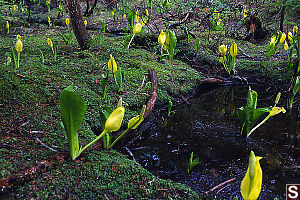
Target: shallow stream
x=209, y=127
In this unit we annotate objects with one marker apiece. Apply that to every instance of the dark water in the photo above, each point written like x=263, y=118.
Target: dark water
x=209, y=127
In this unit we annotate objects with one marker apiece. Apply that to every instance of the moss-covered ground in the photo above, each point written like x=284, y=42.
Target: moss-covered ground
x=29, y=111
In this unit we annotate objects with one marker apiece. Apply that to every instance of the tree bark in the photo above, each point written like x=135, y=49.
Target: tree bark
x=76, y=18
x=87, y=8
x=282, y=16
x=93, y=8
x=88, y=11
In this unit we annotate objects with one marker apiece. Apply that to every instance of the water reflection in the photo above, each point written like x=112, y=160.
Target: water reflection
x=209, y=128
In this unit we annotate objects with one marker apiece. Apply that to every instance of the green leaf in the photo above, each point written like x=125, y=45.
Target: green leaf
x=72, y=110
x=173, y=41
x=102, y=26
x=249, y=109
x=187, y=33
x=241, y=113
x=296, y=86
x=104, y=114
x=195, y=162
x=197, y=44
x=64, y=38
x=257, y=113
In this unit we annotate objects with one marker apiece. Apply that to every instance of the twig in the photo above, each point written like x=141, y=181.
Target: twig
x=36, y=131
x=130, y=153
x=25, y=123
x=45, y=145
x=182, y=21
x=223, y=188
x=246, y=54
x=143, y=83
x=220, y=185
x=151, y=101
x=106, y=196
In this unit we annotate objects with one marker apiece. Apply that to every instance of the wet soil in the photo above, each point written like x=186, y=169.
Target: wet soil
x=209, y=127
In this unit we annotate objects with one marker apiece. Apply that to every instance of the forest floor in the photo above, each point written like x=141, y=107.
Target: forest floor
x=35, y=163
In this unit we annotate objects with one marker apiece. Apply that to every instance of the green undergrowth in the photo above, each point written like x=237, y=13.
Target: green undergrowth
x=251, y=57
x=29, y=110
x=97, y=174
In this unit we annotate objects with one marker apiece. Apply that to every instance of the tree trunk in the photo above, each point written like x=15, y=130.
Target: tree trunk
x=76, y=18
x=88, y=11
x=93, y=8
x=87, y=8
x=282, y=17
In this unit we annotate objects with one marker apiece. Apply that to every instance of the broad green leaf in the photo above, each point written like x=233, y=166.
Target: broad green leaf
x=191, y=159
x=241, y=114
x=102, y=26
x=187, y=33
x=296, y=86
x=72, y=110
x=104, y=114
x=257, y=113
x=173, y=41
x=249, y=109
x=195, y=162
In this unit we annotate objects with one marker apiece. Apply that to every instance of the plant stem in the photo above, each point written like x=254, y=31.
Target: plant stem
x=225, y=66
x=258, y=125
x=92, y=142
x=116, y=80
x=18, y=65
x=130, y=41
x=290, y=101
x=120, y=136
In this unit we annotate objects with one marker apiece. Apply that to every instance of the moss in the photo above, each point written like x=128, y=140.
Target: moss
x=32, y=94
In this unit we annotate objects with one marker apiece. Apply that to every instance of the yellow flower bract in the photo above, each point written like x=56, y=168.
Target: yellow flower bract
x=277, y=110
x=114, y=121
x=112, y=65
x=223, y=49
x=282, y=39
x=49, y=41
x=273, y=39
x=67, y=21
x=290, y=36
x=19, y=45
x=162, y=38
x=286, y=46
x=137, y=28
x=251, y=184
x=233, y=50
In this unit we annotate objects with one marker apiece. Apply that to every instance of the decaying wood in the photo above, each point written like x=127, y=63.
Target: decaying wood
x=151, y=101
x=213, y=81
x=24, y=176
x=181, y=22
